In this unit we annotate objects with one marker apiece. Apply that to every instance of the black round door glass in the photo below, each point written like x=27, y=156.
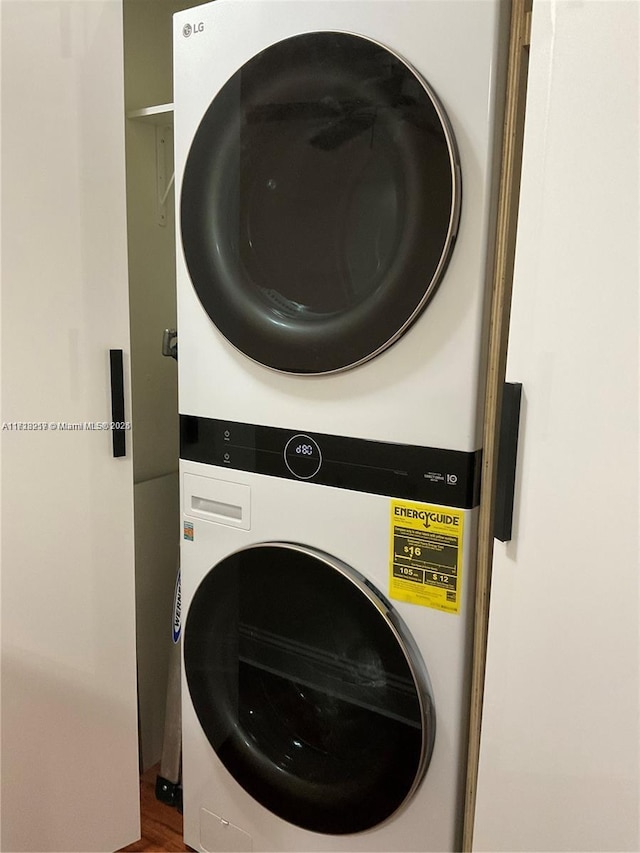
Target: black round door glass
x=305, y=691
x=320, y=201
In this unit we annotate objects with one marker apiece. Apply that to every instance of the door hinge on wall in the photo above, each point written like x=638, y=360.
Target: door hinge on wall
x=526, y=30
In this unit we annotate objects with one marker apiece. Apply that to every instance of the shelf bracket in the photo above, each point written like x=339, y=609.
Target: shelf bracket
x=164, y=183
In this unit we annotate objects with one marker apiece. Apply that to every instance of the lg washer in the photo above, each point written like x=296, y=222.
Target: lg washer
x=336, y=166
x=319, y=712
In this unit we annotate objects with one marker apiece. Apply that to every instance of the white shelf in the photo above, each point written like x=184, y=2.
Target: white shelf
x=161, y=114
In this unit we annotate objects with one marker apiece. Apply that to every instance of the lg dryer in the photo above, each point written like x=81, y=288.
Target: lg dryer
x=336, y=175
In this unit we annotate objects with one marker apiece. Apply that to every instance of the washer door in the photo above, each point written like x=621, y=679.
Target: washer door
x=308, y=687
x=320, y=201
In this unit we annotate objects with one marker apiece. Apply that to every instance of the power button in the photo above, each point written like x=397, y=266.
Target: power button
x=302, y=456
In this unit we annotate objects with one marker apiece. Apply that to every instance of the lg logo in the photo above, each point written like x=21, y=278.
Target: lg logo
x=187, y=30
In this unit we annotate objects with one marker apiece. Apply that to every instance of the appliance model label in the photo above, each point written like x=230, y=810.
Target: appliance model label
x=426, y=555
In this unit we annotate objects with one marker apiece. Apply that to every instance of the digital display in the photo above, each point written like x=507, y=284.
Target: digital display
x=302, y=456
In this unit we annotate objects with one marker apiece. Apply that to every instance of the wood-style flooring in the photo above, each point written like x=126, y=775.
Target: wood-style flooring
x=161, y=825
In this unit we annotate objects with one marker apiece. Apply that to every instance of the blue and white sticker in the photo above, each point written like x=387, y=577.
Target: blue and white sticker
x=177, y=607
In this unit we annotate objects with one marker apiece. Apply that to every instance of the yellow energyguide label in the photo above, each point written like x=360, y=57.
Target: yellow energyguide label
x=426, y=555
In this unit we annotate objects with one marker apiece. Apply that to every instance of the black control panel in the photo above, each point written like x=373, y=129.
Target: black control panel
x=429, y=474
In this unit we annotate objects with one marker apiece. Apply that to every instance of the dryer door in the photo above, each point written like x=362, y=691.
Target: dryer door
x=308, y=687
x=320, y=201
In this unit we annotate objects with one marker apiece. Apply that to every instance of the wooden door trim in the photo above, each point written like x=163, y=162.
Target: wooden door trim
x=507, y=218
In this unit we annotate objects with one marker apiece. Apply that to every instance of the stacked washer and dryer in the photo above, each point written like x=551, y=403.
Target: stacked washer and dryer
x=336, y=168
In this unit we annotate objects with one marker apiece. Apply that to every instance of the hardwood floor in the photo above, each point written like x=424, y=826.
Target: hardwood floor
x=161, y=825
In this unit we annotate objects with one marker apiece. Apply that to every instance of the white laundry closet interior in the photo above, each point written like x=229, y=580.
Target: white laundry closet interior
x=154, y=378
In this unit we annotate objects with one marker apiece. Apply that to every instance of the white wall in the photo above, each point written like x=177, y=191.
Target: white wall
x=559, y=766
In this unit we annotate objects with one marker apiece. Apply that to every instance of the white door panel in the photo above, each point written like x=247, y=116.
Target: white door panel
x=559, y=764
x=69, y=718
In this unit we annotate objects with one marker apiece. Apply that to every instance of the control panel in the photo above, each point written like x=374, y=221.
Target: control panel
x=429, y=474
